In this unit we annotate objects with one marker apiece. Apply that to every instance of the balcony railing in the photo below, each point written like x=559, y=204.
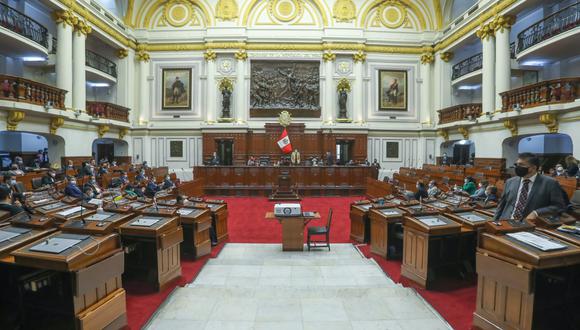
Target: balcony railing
x=468, y=65
x=513, y=50
x=108, y=111
x=553, y=25
x=561, y=90
x=15, y=21
x=23, y=90
x=459, y=112
x=100, y=63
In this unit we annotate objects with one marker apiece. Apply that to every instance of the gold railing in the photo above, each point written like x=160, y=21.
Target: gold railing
x=459, y=112
x=24, y=90
x=108, y=111
x=545, y=92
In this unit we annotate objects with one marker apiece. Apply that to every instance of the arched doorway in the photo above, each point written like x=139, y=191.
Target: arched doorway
x=458, y=152
x=110, y=149
x=27, y=144
x=552, y=148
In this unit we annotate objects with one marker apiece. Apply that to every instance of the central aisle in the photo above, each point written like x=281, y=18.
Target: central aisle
x=257, y=286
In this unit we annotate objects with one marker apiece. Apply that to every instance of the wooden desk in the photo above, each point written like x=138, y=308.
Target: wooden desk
x=383, y=235
x=60, y=218
x=426, y=248
x=219, y=212
x=470, y=219
x=125, y=206
x=152, y=253
x=51, y=208
x=93, y=226
x=489, y=211
x=26, y=235
x=4, y=215
x=162, y=211
x=39, y=221
x=360, y=226
x=554, y=221
x=292, y=230
x=78, y=288
x=521, y=287
x=196, y=223
x=568, y=237
x=507, y=226
x=419, y=210
x=40, y=202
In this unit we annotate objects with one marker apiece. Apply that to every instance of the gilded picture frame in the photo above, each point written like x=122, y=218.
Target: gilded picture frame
x=393, y=90
x=176, y=89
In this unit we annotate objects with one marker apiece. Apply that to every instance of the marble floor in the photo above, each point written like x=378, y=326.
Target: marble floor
x=257, y=286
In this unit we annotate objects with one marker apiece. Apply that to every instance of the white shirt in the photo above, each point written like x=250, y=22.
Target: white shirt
x=532, y=180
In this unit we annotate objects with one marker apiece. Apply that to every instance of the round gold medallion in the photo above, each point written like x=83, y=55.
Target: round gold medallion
x=285, y=10
x=392, y=14
x=177, y=13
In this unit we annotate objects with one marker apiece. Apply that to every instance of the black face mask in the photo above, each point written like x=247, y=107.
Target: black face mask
x=521, y=171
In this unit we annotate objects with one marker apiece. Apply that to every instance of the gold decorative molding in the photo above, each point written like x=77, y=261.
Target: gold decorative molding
x=128, y=19
x=427, y=58
x=485, y=31
x=122, y=53
x=446, y=56
x=141, y=55
x=286, y=11
x=344, y=10
x=82, y=27
x=512, y=126
x=392, y=14
x=123, y=132
x=55, y=124
x=328, y=56
x=226, y=10
x=14, y=118
x=359, y=56
x=102, y=130
x=241, y=55
x=210, y=55
x=464, y=132
x=226, y=84
x=64, y=16
x=343, y=85
x=444, y=134
x=503, y=22
x=551, y=121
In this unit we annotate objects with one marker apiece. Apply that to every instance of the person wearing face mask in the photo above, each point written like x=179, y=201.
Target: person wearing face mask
x=559, y=170
x=490, y=194
x=49, y=178
x=529, y=194
x=469, y=185
x=72, y=189
x=6, y=201
x=92, y=184
x=421, y=192
x=572, y=169
x=18, y=189
x=480, y=192
x=167, y=183
x=433, y=189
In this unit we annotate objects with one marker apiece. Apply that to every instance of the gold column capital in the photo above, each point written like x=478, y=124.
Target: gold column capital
x=102, y=130
x=122, y=53
x=446, y=56
x=14, y=118
x=123, y=132
x=241, y=55
x=141, y=55
x=464, y=132
x=503, y=22
x=427, y=58
x=485, y=31
x=359, y=56
x=55, y=124
x=444, y=134
x=210, y=55
x=82, y=27
x=550, y=120
x=512, y=126
x=328, y=56
x=64, y=17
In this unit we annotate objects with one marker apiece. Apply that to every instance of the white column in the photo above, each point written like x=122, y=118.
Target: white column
x=329, y=100
x=64, y=79
x=438, y=80
x=488, y=70
x=445, y=71
x=426, y=84
x=210, y=105
x=79, y=93
x=358, y=101
x=126, y=77
x=241, y=108
x=502, y=57
x=143, y=90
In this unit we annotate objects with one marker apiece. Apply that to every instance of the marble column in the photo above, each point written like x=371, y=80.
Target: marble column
x=426, y=84
x=79, y=94
x=329, y=109
x=143, y=96
x=240, y=88
x=502, y=25
x=210, y=106
x=358, y=96
x=64, y=32
x=488, y=69
x=125, y=77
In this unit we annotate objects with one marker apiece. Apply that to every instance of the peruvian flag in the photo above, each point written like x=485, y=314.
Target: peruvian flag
x=284, y=142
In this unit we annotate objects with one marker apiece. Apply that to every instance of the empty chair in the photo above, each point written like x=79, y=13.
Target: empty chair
x=319, y=231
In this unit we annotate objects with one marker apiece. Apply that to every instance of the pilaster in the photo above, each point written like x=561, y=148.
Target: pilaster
x=486, y=34
x=210, y=57
x=501, y=26
x=329, y=104
x=358, y=102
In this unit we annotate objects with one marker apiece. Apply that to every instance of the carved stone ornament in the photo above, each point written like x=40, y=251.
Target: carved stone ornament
x=446, y=56
x=226, y=10
x=226, y=66
x=210, y=55
x=359, y=56
x=82, y=27
x=122, y=53
x=512, y=126
x=102, y=130
x=14, y=118
x=551, y=122
x=486, y=31
x=55, y=124
x=64, y=16
x=464, y=132
x=285, y=119
x=444, y=134
x=344, y=10
x=226, y=84
x=343, y=85
x=241, y=55
x=123, y=132
x=427, y=58
x=344, y=67
x=328, y=56
x=142, y=55
x=501, y=23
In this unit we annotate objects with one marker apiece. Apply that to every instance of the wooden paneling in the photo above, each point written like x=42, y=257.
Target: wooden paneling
x=415, y=256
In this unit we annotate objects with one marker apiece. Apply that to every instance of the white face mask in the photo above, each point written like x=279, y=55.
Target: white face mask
x=560, y=169
x=12, y=182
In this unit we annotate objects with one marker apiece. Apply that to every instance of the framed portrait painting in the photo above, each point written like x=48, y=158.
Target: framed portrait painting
x=176, y=89
x=393, y=90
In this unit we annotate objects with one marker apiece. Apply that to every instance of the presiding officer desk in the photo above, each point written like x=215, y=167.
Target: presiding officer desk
x=259, y=180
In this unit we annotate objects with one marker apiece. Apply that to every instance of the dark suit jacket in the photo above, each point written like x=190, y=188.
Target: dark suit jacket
x=545, y=197
x=73, y=190
x=47, y=180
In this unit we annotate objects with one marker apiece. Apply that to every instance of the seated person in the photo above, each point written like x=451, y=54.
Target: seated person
x=49, y=178
x=490, y=194
x=104, y=169
x=433, y=189
x=480, y=192
x=6, y=201
x=251, y=161
x=421, y=192
x=215, y=160
x=572, y=169
x=559, y=170
x=152, y=188
x=351, y=163
x=468, y=185
x=18, y=189
x=140, y=176
x=72, y=189
x=124, y=178
x=88, y=193
x=92, y=184
x=69, y=165
x=145, y=165
x=167, y=183
x=15, y=170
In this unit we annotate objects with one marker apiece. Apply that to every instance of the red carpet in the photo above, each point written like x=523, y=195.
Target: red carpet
x=246, y=224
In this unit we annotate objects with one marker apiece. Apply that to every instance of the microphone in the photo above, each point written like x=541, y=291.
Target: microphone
x=155, y=201
x=82, y=219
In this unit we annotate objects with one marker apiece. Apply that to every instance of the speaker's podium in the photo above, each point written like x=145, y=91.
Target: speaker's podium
x=284, y=191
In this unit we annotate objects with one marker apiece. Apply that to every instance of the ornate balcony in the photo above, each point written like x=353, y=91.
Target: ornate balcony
x=554, y=91
x=100, y=63
x=468, y=65
x=108, y=111
x=553, y=25
x=459, y=112
x=25, y=26
x=23, y=90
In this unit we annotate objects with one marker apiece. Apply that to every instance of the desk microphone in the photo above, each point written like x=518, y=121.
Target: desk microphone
x=82, y=219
